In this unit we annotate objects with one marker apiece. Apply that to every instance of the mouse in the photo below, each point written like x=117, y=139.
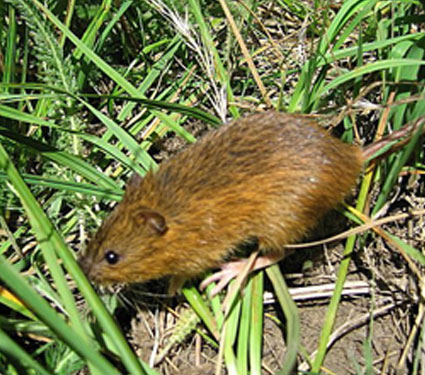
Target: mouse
x=270, y=177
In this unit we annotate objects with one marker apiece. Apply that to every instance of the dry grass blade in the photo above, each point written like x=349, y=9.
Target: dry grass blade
x=246, y=53
x=391, y=240
x=371, y=224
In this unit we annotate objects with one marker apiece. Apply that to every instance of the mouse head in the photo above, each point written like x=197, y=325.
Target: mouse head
x=128, y=245
x=117, y=252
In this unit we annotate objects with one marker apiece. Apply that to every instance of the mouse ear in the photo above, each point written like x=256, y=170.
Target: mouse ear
x=153, y=219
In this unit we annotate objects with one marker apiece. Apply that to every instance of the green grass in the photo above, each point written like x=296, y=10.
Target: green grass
x=82, y=83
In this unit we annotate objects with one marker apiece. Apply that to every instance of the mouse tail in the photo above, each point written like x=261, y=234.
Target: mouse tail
x=395, y=140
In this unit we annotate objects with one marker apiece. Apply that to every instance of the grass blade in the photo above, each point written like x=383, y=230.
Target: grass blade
x=292, y=319
x=13, y=350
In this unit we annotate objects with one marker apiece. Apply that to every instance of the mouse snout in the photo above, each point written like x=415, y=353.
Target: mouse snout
x=86, y=265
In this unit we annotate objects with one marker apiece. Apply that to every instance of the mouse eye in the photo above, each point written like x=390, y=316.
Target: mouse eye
x=112, y=257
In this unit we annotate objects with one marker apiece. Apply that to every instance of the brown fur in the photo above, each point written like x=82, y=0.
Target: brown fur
x=269, y=176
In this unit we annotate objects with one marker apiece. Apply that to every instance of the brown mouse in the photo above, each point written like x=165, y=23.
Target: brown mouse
x=269, y=176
